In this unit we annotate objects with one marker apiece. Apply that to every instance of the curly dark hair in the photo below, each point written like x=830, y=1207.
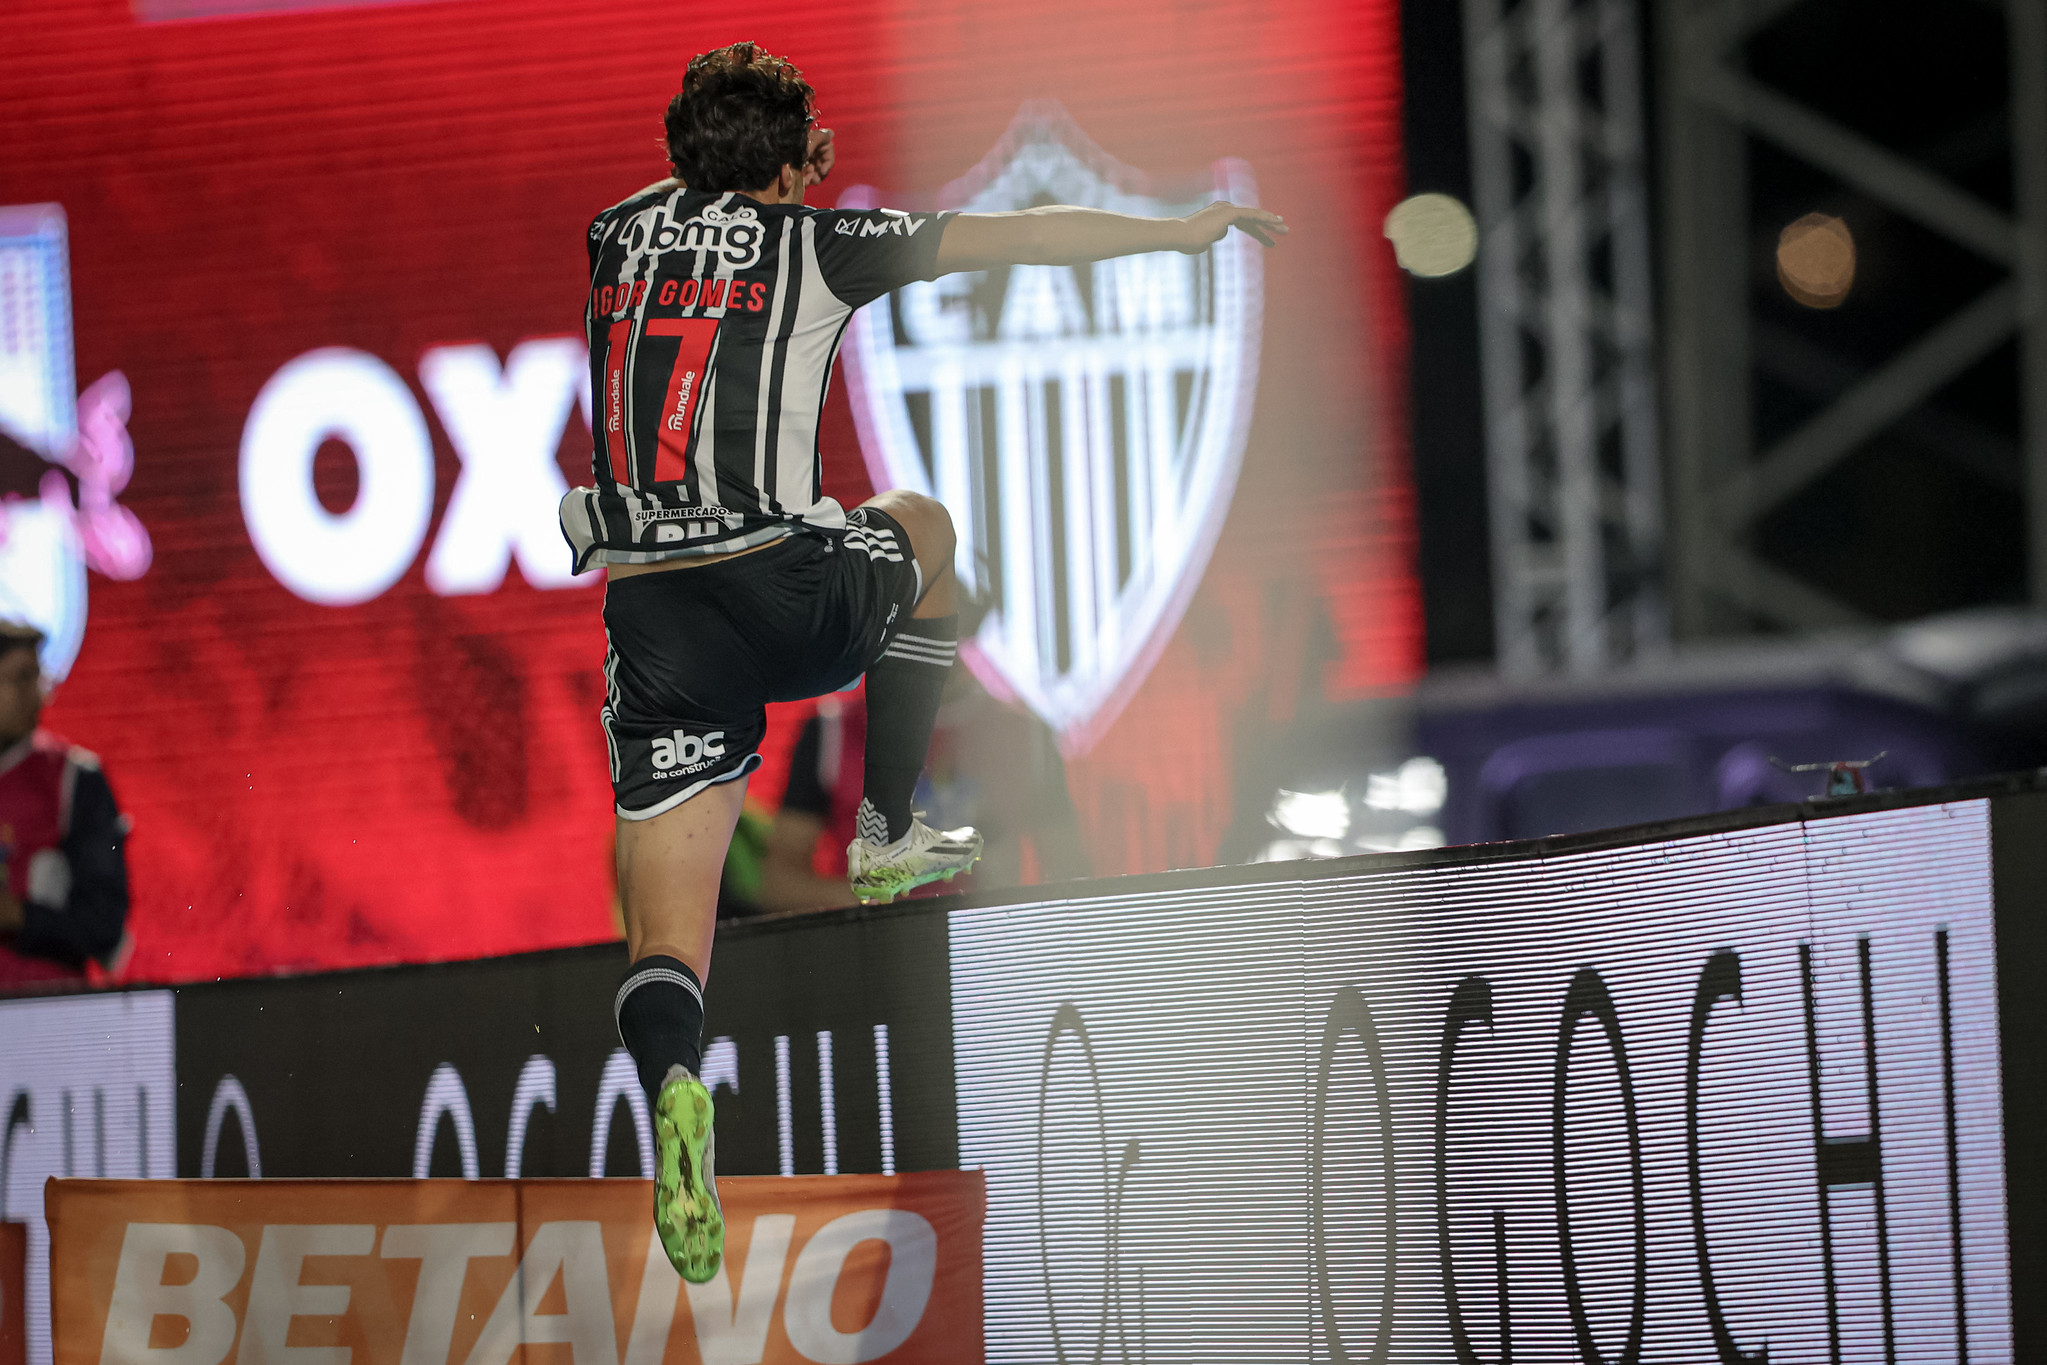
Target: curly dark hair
x=741, y=116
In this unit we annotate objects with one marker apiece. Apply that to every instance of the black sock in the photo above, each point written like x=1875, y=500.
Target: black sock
x=903, y=689
x=660, y=1011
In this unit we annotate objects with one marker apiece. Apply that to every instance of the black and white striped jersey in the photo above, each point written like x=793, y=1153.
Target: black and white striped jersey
x=713, y=323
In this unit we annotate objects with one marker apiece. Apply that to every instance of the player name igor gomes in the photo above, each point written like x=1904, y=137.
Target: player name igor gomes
x=614, y=300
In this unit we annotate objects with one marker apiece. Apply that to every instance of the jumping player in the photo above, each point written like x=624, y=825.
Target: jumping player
x=717, y=301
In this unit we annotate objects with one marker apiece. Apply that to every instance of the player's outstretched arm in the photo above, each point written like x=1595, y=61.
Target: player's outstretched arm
x=1056, y=235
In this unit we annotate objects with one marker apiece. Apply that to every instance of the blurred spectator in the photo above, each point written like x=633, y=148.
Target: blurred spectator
x=803, y=866
x=992, y=765
x=64, y=902
x=739, y=887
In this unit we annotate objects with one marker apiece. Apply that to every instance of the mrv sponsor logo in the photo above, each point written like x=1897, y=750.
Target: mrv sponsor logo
x=893, y=223
x=685, y=752
x=1085, y=424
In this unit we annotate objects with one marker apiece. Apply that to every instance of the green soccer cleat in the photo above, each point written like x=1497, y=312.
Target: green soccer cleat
x=881, y=872
x=686, y=1210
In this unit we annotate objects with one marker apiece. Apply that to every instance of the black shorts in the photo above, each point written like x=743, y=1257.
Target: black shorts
x=697, y=653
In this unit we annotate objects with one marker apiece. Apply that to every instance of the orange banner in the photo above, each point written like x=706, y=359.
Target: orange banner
x=832, y=1270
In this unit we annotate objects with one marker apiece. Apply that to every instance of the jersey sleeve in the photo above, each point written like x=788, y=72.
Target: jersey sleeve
x=864, y=253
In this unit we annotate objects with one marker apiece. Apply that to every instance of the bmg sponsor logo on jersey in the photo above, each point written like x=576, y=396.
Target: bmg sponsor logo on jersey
x=732, y=237
x=1084, y=424
x=681, y=753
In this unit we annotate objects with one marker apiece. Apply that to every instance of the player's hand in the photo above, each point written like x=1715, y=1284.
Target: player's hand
x=1208, y=226
x=818, y=164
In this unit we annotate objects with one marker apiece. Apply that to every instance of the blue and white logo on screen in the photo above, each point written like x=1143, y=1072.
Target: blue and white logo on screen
x=42, y=572
x=67, y=454
x=1084, y=424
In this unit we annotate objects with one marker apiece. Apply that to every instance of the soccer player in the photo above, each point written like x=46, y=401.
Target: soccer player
x=717, y=301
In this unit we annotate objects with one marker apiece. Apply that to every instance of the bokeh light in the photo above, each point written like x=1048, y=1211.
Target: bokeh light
x=1816, y=260
x=1432, y=235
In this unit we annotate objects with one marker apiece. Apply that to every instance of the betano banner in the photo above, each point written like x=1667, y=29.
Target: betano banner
x=818, y=1271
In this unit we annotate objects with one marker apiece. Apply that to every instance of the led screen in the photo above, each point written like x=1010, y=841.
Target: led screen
x=318, y=270
x=87, y=1088
x=1693, y=1099
x=1678, y=1101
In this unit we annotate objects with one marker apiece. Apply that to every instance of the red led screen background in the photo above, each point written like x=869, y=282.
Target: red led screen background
x=421, y=776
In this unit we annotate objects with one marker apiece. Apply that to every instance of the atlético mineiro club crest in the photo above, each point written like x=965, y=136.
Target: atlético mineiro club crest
x=1084, y=425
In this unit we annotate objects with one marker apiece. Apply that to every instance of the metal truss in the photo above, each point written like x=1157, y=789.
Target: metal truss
x=1565, y=330
x=1722, y=486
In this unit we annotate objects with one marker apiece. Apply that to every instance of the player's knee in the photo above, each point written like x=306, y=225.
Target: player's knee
x=919, y=507
x=927, y=521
